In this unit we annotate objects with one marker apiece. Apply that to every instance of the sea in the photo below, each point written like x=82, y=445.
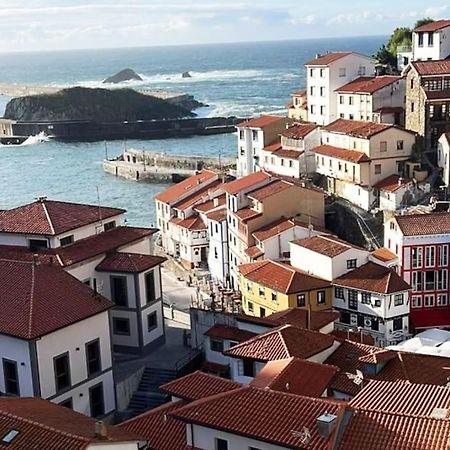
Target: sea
x=244, y=80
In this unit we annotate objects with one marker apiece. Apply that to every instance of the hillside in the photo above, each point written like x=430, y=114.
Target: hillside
x=102, y=105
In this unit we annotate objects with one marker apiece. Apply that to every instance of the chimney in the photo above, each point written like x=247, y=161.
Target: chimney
x=35, y=260
x=318, y=55
x=100, y=430
x=42, y=198
x=216, y=202
x=400, y=181
x=326, y=424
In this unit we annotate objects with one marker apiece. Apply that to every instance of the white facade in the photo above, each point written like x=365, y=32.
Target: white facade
x=432, y=45
x=444, y=158
x=323, y=79
x=398, y=198
x=218, y=263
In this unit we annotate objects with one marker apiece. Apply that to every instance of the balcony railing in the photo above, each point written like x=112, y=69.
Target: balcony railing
x=404, y=49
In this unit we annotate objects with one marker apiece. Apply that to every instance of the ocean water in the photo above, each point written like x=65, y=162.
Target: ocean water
x=233, y=79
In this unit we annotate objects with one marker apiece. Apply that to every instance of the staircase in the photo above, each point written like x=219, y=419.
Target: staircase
x=148, y=395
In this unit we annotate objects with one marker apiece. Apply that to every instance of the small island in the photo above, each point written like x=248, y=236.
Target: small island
x=122, y=76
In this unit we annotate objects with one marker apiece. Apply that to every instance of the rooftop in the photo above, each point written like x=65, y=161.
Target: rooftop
x=281, y=277
x=433, y=26
x=424, y=224
x=384, y=254
x=211, y=205
x=273, y=146
x=368, y=85
x=246, y=183
x=281, y=343
x=325, y=60
x=341, y=153
x=217, y=216
x=231, y=333
x=198, y=385
x=193, y=223
x=392, y=183
x=260, y=122
x=288, y=153
x=129, y=262
x=356, y=128
x=326, y=245
x=299, y=130
x=50, y=218
x=178, y=190
x=199, y=195
x=436, y=67
x=37, y=299
x=253, y=252
x=371, y=277
x=273, y=188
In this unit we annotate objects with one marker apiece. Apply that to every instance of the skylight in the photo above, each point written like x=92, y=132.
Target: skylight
x=10, y=436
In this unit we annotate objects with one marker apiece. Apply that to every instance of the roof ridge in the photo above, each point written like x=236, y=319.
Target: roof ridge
x=30, y=312
x=47, y=215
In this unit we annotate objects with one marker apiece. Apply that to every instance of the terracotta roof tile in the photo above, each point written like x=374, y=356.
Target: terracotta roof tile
x=368, y=85
x=273, y=146
x=282, y=277
x=39, y=299
x=192, y=223
x=299, y=130
x=279, y=226
x=230, y=333
x=288, y=153
x=199, y=196
x=44, y=425
x=300, y=318
x=392, y=183
x=211, y=205
x=246, y=183
x=325, y=245
x=260, y=122
x=49, y=217
x=424, y=224
x=247, y=214
x=342, y=153
x=295, y=376
x=354, y=336
x=250, y=412
x=129, y=263
x=159, y=428
x=198, y=385
x=217, y=216
x=437, y=67
x=274, y=187
x=357, y=128
x=254, y=252
x=281, y=343
x=372, y=277
x=433, y=26
x=325, y=60
x=384, y=254
x=178, y=190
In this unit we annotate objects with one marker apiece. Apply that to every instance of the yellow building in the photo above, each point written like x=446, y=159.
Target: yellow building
x=269, y=286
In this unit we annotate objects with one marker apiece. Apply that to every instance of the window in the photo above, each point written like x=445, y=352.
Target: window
x=274, y=297
x=322, y=110
x=350, y=100
x=412, y=107
x=366, y=298
x=301, y=300
x=377, y=303
x=93, y=357
x=383, y=146
x=249, y=368
x=377, y=169
x=291, y=164
x=398, y=299
x=441, y=300
x=262, y=312
x=430, y=39
x=150, y=293
x=66, y=240
x=417, y=281
x=311, y=90
x=249, y=287
x=429, y=256
x=10, y=436
x=109, y=225
x=96, y=400
x=119, y=291
x=421, y=39
x=442, y=280
x=321, y=297
x=11, y=377
x=68, y=403
x=443, y=255
x=241, y=134
x=352, y=299
x=351, y=263
x=311, y=73
x=400, y=145
x=216, y=254
x=37, y=244
x=152, y=321
x=339, y=292
x=221, y=444
x=416, y=254
x=341, y=99
x=416, y=301
x=374, y=324
x=322, y=73
x=311, y=108
x=345, y=317
x=250, y=307
x=216, y=345
x=322, y=91
x=61, y=368
x=121, y=326
x=397, y=324
x=254, y=135
x=351, y=116
x=428, y=301
x=342, y=72
x=261, y=292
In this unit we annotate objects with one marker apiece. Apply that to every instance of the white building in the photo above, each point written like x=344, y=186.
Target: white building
x=218, y=263
x=432, y=41
x=373, y=99
x=325, y=74
x=396, y=192
x=373, y=298
x=253, y=135
x=444, y=158
x=355, y=156
x=54, y=338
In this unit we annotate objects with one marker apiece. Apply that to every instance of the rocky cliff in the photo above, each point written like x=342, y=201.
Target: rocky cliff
x=102, y=105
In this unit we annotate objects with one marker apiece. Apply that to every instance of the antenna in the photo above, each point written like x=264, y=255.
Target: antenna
x=304, y=436
x=357, y=379
x=98, y=203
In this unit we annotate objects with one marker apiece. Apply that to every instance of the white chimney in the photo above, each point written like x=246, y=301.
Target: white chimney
x=100, y=430
x=326, y=424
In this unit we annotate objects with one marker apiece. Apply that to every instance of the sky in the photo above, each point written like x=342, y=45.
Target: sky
x=40, y=25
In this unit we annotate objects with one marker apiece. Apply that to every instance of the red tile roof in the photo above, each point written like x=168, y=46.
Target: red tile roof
x=300, y=318
x=424, y=224
x=44, y=425
x=254, y=252
x=325, y=60
x=287, y=153
x=384, y=254
x=247, y=183
x=301, y=93
x=392, y=183
x=272, y=147
x=368, y=85
x=281, y=343
x=299, y=130
x=357, y=128
x=198, y=385
x=230, y=333
x=274, y=187
x=261, y=122
x=295, y=376
x=372, y=277
x=342, y=153
x=325, y=245
x=251, y=411
x=192, y=223
x=434, y=26
x=437, y=67
x=38, y=299
x=217, y=216
x=211, y=205
x=281, y=277
x=159, y=428
x=245, y=214
x=199, y=196
x=175, y=192
x=377, y=430
x=354, y=336
x=402, y=398
x=129, y=262
x=49, y=217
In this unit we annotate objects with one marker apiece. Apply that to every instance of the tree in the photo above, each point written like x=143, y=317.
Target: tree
x=385, y=57
x=400, y=37
x=424, y=21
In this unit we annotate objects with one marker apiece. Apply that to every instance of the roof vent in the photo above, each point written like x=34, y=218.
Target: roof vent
x=36, y=261
x=100, y=430
x=42, y=198
x=439, y=413
x=326, y=424
x=318, y=55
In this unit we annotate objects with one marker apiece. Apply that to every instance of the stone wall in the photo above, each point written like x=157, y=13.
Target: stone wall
x=415, y=121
